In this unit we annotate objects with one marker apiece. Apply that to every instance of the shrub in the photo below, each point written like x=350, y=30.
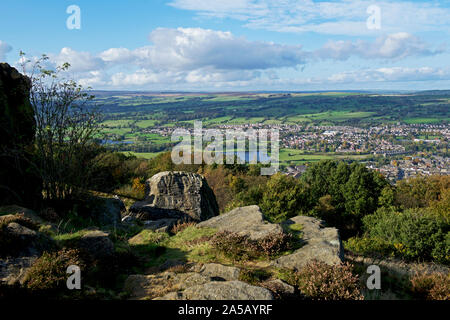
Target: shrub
x=417, y=234
x=241, y=247
x=233, y=245
x=320, y=281
x=275, y=243
x=435, y=286
x=49, y=271
x=139, y=187
x=369, y=246
x=283, y=197
x=180, y=226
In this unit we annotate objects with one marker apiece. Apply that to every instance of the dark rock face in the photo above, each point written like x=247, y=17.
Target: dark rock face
x=178, y=195
x=97, y=244
x=109, y=212
x=17, y=129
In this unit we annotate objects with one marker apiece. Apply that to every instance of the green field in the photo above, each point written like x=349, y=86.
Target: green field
x=295, y=156
x=127, y=116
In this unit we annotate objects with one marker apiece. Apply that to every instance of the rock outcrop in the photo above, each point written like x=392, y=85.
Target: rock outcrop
x=21, y=244
x=218, y=290
x=108, y=212
x=179, y=195
x=97, y=243
x=210, y=281
x=323, y=244
x=244, y=221
x=17, y=129
x=219, y=272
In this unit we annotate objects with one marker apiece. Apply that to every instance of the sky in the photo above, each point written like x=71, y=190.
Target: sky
x=235, y=45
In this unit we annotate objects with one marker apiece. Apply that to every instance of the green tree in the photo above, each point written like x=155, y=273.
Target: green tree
x=65, y=127
x=283, y=197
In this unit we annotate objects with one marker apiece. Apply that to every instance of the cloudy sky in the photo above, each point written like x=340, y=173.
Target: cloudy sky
x=236, y=45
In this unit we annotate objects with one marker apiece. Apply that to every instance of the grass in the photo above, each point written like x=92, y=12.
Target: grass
x=424, y=120
x=145, y=155
x=66, y=239
x=187, y=245
x=299, y=157
x=145, y=123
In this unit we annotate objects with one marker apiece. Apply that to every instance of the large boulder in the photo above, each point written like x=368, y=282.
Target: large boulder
x=21, y=244
x=179, y=195
x=320, y=243
x=244, y=221
x=221, y=290
x=108, y=211
x=14, y=269
x=97, y=243
x=17, y=130
x=151, y=286
x=26, y=213
x=19, y=237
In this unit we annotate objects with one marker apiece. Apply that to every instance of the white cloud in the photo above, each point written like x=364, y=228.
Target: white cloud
x=392, y=74
x=393, y=46
x=328, y=17
x=186, y=58
x=194, y=48
x=4, y=49
x=79, y=61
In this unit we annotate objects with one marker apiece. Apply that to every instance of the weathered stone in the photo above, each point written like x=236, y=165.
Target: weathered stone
x=109, y=211
x=323, y=244
x=221, y=290
x=176, y=195
x=220, y=272
x=23, y=239
x=97, y=244
x=280, y=288
x=20, y=232
x=162, y=225
x=245, y=221
x=155, y=285
x=13, y=269
x=26, y=213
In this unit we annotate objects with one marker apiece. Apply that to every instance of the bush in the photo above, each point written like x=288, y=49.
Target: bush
x=416, y=234
x=283, y=197
x=275, y=243
x=435, y=286
x=241, y=247
x=320, y=281
x=49, y=271
x=369, y=246
x=233, y=245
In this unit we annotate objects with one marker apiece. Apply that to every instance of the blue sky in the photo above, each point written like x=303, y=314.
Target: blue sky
x=237, y=45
